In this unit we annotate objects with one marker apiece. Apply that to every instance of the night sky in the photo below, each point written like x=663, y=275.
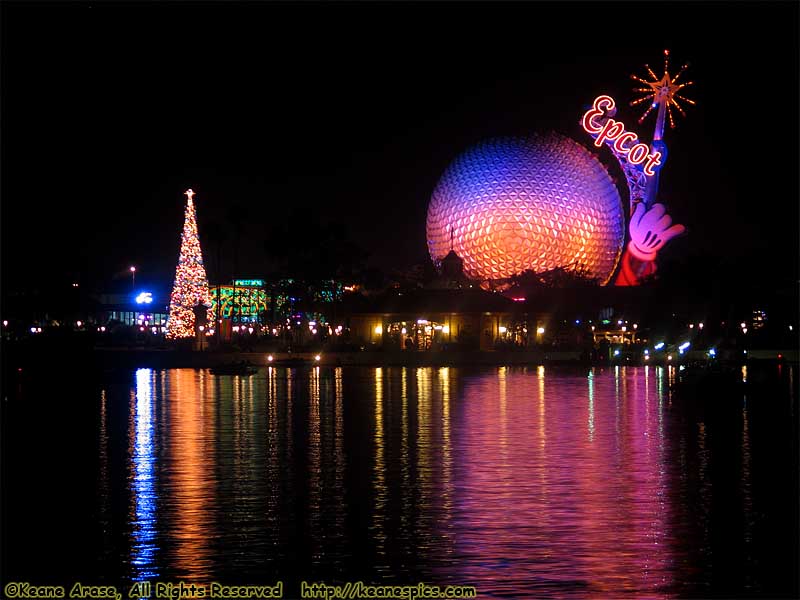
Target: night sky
x=349, y=113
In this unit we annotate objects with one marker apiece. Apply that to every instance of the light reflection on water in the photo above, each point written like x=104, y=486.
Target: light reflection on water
x=143, y=484
x=523, y=481
x=188, y=479
x=558, y=488
x=379, y=476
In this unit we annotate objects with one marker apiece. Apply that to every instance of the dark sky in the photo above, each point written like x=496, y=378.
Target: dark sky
x=351, y=112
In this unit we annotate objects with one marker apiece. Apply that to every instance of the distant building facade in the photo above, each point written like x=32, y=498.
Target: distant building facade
x=433, y=320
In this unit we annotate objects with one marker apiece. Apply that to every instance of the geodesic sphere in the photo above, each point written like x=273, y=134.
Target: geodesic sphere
x=527, y=203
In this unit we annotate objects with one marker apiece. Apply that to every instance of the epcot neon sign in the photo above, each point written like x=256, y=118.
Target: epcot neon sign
x=613, y=133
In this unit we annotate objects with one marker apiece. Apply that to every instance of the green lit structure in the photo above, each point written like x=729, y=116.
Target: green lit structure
x=242, y=301
x=256, y=306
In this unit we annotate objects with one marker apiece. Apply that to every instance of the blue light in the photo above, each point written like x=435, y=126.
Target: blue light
x=659, y=346
x=616, y=352
x=577, y=321
x=646, y=351
x=712, y=352
x=684, y=346
x=144, y=298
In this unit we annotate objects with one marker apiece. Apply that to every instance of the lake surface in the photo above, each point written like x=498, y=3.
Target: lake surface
x=524, y=482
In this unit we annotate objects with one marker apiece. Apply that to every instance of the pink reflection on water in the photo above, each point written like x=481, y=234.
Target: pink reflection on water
x=562, y=485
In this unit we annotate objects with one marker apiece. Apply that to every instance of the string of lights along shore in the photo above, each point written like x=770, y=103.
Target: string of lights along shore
x=191, y=285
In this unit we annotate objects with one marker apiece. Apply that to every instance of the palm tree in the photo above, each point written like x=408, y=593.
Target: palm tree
x=217, y=237
x=236, y=217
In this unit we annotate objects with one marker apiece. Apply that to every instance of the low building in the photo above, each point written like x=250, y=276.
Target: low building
x=143, y=309
x=432, y=319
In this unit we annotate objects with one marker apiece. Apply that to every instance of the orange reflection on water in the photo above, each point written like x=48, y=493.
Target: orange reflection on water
x=379, y=475
x=335, y=529
x=314, y=464
x=447, y=450
x=192, y=428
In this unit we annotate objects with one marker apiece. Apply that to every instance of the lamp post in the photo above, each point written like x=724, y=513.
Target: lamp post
x=133, y=279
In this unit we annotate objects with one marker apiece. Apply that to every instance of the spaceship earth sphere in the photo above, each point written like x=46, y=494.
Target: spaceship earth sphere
x=535, y=203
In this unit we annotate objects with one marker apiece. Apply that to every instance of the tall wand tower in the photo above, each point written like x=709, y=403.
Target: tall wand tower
x=662, y=93
x=191, y=285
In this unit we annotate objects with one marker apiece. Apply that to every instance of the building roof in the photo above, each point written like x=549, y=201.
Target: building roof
x=452, y=257
x=133, y=307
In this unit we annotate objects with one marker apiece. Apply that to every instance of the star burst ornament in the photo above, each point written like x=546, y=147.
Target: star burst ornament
x=662, y=92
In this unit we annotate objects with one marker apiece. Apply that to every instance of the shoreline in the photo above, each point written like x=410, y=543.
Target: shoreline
x=178, y=359
x=102, y=359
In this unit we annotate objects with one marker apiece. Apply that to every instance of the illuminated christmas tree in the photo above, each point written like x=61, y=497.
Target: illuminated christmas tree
x=191, y=285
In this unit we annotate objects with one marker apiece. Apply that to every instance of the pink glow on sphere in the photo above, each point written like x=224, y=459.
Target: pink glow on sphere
x=527, y=203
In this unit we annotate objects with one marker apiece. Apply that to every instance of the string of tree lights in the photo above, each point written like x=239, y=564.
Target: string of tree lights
x=191, y=285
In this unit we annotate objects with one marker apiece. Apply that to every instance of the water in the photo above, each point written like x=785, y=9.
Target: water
x=524, y=482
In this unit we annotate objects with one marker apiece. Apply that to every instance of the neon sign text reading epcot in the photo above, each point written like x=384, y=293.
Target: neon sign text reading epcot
x=613, y=133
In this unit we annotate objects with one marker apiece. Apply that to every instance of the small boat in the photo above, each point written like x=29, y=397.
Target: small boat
x=234, y=369
x=297, y=360
x=709, y=378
